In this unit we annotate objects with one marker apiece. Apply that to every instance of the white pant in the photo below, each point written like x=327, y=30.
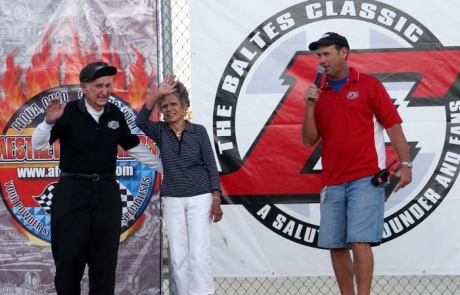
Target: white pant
x=188, y=224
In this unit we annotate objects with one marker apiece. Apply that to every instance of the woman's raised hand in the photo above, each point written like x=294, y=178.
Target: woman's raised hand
x=168, y=85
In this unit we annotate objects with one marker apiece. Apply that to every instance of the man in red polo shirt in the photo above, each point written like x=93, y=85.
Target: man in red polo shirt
x=349, y=112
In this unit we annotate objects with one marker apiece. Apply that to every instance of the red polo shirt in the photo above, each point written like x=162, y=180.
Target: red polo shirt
x=351, y=123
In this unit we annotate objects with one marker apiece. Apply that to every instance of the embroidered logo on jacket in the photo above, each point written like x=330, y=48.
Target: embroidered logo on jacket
x=113, y=125
x=353, y=94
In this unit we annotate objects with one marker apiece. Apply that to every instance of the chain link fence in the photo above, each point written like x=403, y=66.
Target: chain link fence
x=176, y=58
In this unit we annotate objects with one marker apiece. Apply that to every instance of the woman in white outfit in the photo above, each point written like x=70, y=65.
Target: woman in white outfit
x=190, y=189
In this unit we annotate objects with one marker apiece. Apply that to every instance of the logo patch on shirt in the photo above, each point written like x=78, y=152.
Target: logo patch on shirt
x=353, y=94
x=113, y=125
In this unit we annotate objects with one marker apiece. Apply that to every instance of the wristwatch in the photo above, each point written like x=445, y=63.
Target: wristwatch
x=408, y=164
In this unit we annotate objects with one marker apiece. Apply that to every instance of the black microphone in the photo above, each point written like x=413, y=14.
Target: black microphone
x=319, y=74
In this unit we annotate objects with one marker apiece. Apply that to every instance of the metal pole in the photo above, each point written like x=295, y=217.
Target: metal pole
x=167, y=61
x=166, y=37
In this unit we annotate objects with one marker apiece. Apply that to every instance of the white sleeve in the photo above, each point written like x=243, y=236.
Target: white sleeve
x=142, y=154
x=41, y=136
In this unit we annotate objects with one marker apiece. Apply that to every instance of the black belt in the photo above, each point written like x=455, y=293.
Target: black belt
x=92, y=177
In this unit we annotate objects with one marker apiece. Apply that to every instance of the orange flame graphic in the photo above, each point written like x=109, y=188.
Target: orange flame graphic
x=44, y=72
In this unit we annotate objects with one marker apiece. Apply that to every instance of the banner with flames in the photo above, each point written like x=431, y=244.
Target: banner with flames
x=249, y=75
x=43, y=46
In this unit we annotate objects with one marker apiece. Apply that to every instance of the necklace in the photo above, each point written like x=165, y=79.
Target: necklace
x=178, y=133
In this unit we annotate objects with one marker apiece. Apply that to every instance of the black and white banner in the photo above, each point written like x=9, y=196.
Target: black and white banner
x=251, y=64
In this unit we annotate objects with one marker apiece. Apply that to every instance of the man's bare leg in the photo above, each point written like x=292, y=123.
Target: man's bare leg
x=363, y=266
x=343, y=269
